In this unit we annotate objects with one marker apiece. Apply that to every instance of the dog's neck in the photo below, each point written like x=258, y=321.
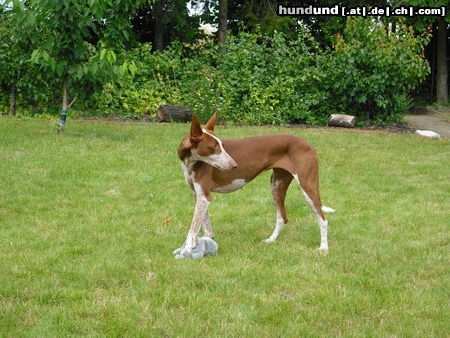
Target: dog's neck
x=189, y=163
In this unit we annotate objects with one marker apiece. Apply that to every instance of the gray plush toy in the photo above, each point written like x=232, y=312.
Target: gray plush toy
x=205, y=247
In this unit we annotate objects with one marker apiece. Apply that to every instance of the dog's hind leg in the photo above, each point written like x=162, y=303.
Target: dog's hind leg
x=279, y=183
x=308, y=179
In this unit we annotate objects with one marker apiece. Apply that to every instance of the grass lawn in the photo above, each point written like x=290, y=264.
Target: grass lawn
x=89, y=220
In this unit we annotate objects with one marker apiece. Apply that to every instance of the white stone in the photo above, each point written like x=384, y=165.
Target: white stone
x=427, y=133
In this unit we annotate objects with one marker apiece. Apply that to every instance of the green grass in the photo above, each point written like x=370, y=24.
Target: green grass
x=89, y=220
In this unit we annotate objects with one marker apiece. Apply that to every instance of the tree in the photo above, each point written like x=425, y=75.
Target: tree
x=223, y=19
x=440, y=36
x=258, y=17
x=442, y=71
x=371, y=72
x=19, y=78
x=164, y=21
x=11, y=61
x=159, y=25
x=70, y=39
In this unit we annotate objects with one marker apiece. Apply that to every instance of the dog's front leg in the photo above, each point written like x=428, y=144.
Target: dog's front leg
x=206, y=224
x=200, y=213
x=207, y=229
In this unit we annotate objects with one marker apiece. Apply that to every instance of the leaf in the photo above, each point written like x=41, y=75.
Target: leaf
x=133, y=69
x=102, y=54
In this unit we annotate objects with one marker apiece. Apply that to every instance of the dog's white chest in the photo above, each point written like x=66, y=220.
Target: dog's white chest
x=188, y=175
x=233, y=186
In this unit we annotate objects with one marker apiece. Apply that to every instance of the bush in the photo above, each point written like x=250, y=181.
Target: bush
x=271, y=80
x=256, y=80
x=275, y=80
x=141, y=91
x=372, y=71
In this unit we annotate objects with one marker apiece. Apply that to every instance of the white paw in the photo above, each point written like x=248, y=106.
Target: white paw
x=269, y=240
x=327, y=209
x=323, y=250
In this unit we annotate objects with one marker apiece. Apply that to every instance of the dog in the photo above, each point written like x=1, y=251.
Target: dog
x=211, y=164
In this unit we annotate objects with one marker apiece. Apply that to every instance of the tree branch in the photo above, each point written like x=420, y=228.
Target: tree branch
x=75, y=98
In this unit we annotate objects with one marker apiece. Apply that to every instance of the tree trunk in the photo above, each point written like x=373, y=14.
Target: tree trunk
x=65, y=106
x=442, y=71
x=222, y=21
x=433, y=64
x=12, y=105
x=158, y=28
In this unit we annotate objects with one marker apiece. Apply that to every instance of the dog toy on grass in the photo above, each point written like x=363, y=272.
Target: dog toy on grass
x=205, y=247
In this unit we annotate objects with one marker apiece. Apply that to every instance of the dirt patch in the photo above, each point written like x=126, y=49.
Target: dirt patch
x=434, y=123
x=398, y=127
x=117, y=119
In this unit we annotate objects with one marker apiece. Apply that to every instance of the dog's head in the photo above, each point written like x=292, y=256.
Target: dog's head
x=203, y=145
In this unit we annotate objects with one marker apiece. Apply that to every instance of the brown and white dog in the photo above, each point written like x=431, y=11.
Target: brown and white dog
x=214, y=165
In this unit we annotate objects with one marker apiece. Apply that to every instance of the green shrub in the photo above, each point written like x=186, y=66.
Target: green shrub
x=141, y=91
x=275, y=79
x=372, y=70
x=271, y=80
x=256, y=80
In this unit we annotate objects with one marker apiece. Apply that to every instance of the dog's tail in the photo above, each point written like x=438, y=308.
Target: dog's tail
x=327, y=209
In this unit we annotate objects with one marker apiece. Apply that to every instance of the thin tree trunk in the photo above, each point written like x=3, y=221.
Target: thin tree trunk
x=12, y=105
x=65, y=106
x=222, y=34
x=442, y=71
x=433, y=65
x=158, y=28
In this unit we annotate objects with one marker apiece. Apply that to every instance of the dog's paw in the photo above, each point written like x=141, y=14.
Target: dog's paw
x=322, y=250
x=269, y=240
x=182, y=254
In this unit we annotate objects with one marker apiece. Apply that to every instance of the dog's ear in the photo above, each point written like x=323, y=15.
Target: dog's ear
x=196, y=129
x=212, y=122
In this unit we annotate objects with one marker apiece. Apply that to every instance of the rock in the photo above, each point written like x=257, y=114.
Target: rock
x=427, y=133
x=342, y=120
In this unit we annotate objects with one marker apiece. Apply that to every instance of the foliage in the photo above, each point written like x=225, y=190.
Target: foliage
x=261, y=79
x=258, y=17
x=16, y=68
x=174, y=20
x=372, y=71
x=72, y=41
x=257, y=80
x=271, y=79
x=137, y=93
